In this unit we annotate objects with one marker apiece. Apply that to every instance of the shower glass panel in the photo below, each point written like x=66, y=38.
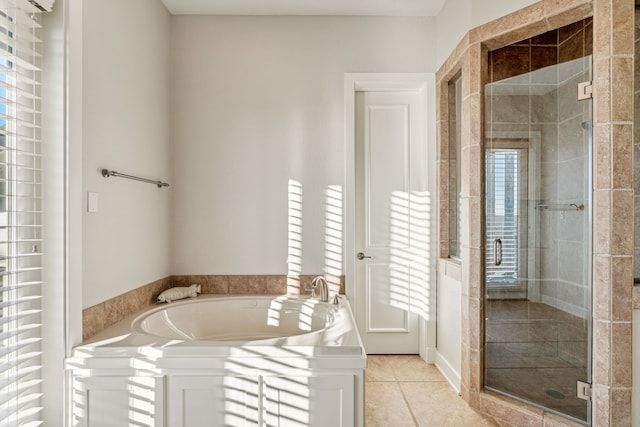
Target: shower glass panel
x=538, y=238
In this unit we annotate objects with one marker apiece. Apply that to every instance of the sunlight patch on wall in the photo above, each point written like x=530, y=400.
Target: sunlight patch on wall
x=333, y=237
x=294, y=236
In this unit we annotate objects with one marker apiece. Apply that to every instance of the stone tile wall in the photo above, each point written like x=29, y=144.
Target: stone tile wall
x=636, y=149
x=613, y=47
x=103, y=315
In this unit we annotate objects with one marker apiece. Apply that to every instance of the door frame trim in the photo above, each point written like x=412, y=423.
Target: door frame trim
x=386, y=82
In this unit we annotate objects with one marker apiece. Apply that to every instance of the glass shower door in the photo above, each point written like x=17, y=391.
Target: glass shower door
x=538, y=238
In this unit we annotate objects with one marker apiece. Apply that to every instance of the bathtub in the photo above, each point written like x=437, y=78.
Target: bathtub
x=266, y=320
x=232, y=360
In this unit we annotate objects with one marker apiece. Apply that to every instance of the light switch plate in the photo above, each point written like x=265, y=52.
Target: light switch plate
x=92, y=202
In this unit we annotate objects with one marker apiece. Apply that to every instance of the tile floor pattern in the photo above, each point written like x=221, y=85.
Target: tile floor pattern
x=404, y=391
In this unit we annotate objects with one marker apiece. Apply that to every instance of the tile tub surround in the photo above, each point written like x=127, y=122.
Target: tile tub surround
x=613, y=198
x=105, y=314
x=276, y=284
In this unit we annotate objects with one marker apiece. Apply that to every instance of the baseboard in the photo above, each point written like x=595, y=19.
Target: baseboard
x=448, y=371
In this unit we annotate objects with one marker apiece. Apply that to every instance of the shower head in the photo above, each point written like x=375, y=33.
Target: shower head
x=586, y=126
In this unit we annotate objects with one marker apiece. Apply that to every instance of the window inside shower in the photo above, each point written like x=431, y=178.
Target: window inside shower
x=537, y=237
x=505, y=219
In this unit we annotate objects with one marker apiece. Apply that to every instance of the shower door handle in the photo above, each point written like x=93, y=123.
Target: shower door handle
x=497, y=252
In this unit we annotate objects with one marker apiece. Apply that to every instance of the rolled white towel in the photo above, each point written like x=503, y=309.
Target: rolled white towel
x=179, y=293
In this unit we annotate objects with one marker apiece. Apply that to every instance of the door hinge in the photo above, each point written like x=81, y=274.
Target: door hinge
x=584, y=390
x=585, y=90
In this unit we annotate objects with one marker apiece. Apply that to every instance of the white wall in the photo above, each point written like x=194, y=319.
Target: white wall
x=487, y=10
x=452, y=23
x=457, y=17
x=449, y=323
x=126, y=81
x=258, y=101
x=255, y=102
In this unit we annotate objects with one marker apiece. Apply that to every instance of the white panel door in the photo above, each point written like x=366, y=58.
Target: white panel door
x=391, y=224
x=210, y=400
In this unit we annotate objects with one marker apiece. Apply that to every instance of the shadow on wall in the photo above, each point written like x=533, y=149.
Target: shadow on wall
x=333, y=237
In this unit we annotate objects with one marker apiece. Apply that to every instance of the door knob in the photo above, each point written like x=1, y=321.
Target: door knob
x=361, y=256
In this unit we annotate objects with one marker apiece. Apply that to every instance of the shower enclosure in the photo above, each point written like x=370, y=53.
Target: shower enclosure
x=538, y=238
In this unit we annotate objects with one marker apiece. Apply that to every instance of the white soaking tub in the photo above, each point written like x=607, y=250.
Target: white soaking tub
x=240, y=319
x=224, y=361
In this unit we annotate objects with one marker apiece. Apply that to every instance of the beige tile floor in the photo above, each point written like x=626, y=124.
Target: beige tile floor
x=403, y=390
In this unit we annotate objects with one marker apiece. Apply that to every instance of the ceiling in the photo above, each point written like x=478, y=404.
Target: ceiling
x=305, y=7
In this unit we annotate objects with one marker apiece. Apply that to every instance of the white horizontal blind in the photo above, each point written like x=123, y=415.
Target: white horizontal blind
x=20, y=215
x=502, y=215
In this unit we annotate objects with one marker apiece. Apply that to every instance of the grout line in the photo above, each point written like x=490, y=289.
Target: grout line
x=399, y=383
x=406, y=402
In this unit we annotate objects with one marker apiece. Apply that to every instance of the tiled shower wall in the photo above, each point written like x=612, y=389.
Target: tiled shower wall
x=569, y=280
x=552, y=47
x=636, y=150
x=554, y=248
x=613, y=49
x=546, y=117
x=612, y=204
x=563, y=249
x=564, y=44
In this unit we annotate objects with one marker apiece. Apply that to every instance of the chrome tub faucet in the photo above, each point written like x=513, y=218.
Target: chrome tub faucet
x=324, y=288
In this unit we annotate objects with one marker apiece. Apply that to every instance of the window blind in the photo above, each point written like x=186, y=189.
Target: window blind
x=502, y=215
x=20, y=214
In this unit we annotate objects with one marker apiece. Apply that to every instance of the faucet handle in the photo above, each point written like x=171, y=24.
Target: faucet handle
x=336, y=299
